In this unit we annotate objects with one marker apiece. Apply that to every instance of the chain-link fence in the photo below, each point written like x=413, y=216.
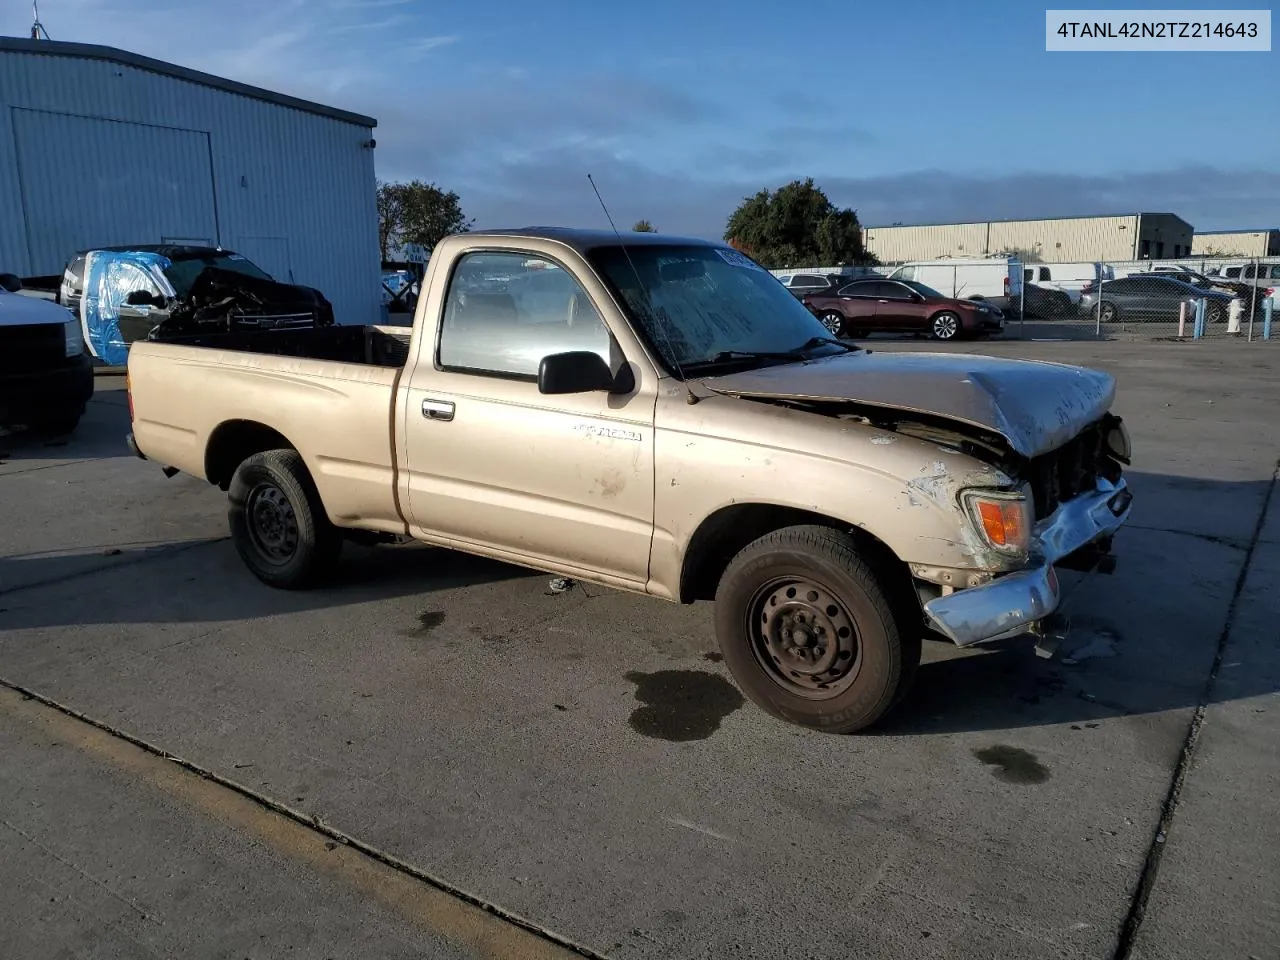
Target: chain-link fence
x=1190, y=299
x=1150, y=299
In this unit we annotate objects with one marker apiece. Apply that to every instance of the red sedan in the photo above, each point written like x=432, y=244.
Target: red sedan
x=870, y=304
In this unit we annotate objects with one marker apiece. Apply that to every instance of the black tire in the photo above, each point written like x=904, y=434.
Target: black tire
x=55, y=423
x=945, y=326
x=278, y=523
x=1215, y=314
x=866, y=672
x=1108, y=312
x=833, y=320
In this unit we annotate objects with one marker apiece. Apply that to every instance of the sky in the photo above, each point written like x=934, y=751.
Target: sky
x=909, y=111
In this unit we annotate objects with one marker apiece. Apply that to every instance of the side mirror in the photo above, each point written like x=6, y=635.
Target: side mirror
x=577, y=371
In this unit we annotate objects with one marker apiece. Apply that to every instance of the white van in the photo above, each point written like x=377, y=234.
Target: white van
x=997, y=280
x=1070, y=278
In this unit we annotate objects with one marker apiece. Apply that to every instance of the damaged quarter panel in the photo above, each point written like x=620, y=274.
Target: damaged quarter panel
x=902, y=490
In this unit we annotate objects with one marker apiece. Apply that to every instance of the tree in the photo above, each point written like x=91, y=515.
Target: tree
x=644, y=226
x=796, y=225
x=419, y=213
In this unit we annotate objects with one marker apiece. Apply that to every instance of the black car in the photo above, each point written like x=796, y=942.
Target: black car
x=1151, y=297
x=208, y=288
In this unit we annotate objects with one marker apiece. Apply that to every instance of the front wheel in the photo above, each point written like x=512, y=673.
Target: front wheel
x=834, y=322
x=945, y=326
x=278, y=523
x=811, y=633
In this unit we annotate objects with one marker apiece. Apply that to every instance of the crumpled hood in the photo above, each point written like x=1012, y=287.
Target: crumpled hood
x=1036, y=406
x=215, y=292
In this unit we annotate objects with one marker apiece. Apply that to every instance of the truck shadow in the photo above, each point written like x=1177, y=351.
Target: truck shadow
x=1143, y=640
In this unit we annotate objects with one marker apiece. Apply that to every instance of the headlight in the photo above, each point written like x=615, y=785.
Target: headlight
x=74, y=337
x=1003, y=519
x=1117, y=441
x=984, y=309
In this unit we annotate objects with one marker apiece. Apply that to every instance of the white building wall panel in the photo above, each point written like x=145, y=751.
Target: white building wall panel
x=297, y=183
x=1068, y=240
x=927, y=242
x=1242, y=243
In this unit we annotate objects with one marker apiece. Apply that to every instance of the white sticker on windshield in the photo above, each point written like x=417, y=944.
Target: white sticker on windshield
x=734, y=258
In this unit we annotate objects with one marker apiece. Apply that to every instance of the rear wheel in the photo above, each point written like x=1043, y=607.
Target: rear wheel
x=1108, y=312
x=834, y=322
x=278, y=523
x=945, y=326
x=811, y=633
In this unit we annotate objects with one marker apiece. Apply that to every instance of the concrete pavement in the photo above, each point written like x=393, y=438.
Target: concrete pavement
x=584, y=761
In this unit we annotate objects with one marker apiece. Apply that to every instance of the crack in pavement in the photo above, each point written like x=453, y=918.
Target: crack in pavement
x=1127, y=941
x=441, y=906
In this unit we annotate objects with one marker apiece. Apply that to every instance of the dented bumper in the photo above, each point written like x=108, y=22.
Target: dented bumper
x=1013, y=602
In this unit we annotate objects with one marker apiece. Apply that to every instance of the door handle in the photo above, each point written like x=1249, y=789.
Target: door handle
x=884, y=301
x=437, y=409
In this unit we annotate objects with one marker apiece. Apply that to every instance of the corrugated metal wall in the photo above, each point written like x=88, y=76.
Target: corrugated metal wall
x=896, y=244
x=294, y=187
x=1241, y=243
x=1074, y=240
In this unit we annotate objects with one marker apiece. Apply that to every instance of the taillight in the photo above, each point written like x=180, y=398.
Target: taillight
x=1006, y=286
x=1087, y=288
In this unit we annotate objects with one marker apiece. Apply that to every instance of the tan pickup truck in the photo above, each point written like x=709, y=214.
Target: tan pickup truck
x=662, y=416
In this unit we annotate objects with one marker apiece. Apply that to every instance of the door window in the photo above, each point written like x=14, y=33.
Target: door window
x=504, y=312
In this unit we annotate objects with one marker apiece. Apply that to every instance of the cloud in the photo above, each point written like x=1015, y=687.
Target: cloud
x=421, y=47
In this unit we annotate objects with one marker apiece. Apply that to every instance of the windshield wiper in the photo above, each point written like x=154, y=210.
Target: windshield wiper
x=795, y=353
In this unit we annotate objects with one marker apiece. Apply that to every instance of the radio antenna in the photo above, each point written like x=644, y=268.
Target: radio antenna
x=37, y=28
x=644, y=291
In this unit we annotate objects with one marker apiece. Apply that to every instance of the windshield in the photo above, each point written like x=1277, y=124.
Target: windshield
x=693, y=304
x=183, y=273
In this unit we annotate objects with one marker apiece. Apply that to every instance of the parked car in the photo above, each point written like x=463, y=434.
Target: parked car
x=127, y=293
x=996, y=280
x=1264, y=278
x=45, y=378
x=801, y=284
x=681, y=427
x=1070, y=278
x=1155, y=297
x=1047, y=303
x=869, y=305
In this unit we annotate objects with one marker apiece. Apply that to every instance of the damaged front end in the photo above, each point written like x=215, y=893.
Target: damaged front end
x=229, y=301
x=1067, y=505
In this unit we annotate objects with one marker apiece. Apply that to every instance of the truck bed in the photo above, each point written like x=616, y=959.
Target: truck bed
x=372, y=345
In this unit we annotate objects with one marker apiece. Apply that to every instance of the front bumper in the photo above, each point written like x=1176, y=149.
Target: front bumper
x=66, y=387
x=1015, y=601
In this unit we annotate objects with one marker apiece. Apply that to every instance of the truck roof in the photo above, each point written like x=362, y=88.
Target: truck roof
x=173, y=251
x=582, y=240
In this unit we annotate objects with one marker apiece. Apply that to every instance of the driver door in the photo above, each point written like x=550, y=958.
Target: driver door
x=135, y=319
x=564, y=481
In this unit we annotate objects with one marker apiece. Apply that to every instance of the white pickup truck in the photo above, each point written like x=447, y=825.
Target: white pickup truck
x=46, y=378
x=661, y=416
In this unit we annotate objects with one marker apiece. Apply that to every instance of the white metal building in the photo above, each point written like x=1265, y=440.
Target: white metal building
x=99, y=147
x=1237, y=243
x=1132, y=236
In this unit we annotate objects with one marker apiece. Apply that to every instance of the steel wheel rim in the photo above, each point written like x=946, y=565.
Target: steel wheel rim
x=804, y=638
x=832, y=322
x=945, y=326
x=273, y=525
